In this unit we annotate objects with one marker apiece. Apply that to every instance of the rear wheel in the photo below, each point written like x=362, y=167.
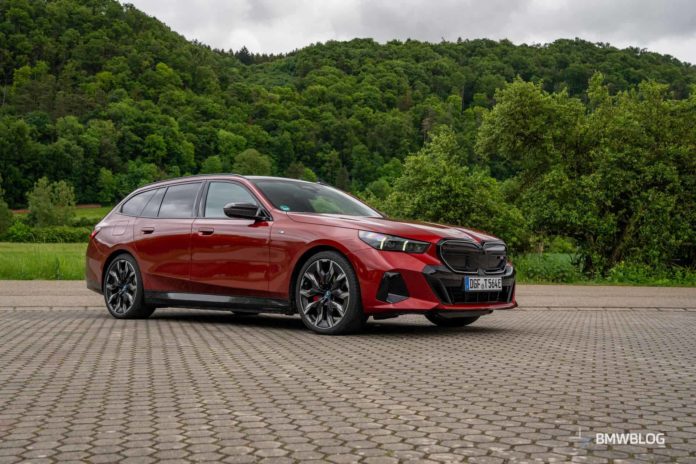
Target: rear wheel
x=327, y=295
x=123, y=289
x=450, y=321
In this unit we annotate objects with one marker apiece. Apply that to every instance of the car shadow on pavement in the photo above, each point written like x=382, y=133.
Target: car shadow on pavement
x=394, y=327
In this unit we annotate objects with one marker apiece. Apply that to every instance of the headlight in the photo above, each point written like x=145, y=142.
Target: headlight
x=392, y=243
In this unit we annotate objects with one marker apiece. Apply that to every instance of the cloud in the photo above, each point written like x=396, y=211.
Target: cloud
x=667, y=26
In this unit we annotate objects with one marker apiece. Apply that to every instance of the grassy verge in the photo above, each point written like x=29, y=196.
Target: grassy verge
x=558, y=268
x=27, y=261
x=96, y=213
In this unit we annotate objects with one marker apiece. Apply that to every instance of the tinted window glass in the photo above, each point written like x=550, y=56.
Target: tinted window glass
x=307, y=197
x=154, y=204
x=135, y=205
x=221, y=193
x=178, y=201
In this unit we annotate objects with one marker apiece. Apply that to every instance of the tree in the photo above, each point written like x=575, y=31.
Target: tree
x=211, y=165
x=618, y=178
x=51, y=203
x=434, y=180
x=244, y=56
x=251, y=162
x=155, y=149
x=6, y=216
x=297, y=170
x=138, y=173
x=107, y=187
x=342, y=179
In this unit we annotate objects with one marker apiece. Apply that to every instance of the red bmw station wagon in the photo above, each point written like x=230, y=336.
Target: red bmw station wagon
x=251, y=244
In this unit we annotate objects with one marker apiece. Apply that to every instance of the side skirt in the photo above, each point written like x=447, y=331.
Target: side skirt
x=222, y=302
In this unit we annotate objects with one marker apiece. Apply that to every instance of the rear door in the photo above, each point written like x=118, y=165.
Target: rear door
x=228, y=256
x=163, y=238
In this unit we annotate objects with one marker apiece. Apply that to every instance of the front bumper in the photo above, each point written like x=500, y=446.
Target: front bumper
x=401, y=283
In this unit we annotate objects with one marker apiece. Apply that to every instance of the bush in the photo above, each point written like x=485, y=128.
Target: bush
x=547, y=268
x=18, y=232
x=632, y=273
x=51, y=203
x=22, y=233
x=86, y=221
x=6, y=216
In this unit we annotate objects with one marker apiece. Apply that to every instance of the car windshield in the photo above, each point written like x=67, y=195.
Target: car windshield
x=305, y=197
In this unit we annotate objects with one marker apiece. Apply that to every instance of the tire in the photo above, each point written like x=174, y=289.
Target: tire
x=451, y=321
x=123, y=289
x=327, y=295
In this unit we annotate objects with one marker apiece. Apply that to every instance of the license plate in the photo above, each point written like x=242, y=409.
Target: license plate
x=483, y=284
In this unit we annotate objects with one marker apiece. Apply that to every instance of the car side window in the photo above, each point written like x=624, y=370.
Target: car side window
x=153, y=206
x=222, y=193
x=178, y=201
x=135, y=205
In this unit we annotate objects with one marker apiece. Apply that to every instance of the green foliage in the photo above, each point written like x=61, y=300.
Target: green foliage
x=436, y=186
x=251, y=162
x=138, y=173
x=98, y=85
x=104, y=97
x=107, y=186
x=642, y=274
x=211, y=165
x=21, y=232
x=618, y=176
x=6, y=216
x=297, y=170
x=547, y=268
x=51, y=203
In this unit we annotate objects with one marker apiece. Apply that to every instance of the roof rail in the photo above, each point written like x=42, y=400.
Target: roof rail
x=192, y=176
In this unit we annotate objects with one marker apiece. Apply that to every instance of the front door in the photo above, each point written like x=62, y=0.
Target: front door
x=229, y=256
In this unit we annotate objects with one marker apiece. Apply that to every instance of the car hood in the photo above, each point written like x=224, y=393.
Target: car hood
x=424, y=231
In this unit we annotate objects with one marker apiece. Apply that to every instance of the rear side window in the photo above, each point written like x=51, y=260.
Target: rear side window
x=222, y=193
x=135, y=205
x=179, y=200
x=153, y=206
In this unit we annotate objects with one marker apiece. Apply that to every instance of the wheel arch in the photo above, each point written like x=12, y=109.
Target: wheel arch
x=304, y=257
x=113, y=255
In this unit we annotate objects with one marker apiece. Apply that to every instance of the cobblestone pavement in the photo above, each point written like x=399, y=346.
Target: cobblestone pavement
x=526, y=385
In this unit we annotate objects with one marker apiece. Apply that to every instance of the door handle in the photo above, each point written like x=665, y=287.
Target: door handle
x=147, y=230
x=205, y=231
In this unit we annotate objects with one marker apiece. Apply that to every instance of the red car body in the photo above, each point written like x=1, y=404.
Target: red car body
x=244, y=263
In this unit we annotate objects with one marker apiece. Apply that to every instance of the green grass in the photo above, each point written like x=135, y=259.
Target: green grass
x=56, y=261
x=97, y=213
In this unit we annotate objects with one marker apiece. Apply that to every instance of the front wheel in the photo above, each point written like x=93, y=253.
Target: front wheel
x=450, y=321
x=123, y=289
x=327, y=295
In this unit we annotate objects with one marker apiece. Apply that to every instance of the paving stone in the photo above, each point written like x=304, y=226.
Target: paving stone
x=187, y=386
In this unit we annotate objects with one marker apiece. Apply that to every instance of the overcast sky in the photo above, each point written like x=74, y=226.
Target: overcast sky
x=665, y=26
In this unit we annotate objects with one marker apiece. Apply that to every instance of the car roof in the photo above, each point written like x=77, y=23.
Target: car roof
x=174, y=180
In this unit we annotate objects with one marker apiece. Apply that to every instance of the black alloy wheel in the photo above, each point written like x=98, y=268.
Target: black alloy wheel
x=123, y=289
x=327, y=295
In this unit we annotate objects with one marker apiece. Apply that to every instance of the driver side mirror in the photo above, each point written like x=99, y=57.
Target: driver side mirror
x=244, y=211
